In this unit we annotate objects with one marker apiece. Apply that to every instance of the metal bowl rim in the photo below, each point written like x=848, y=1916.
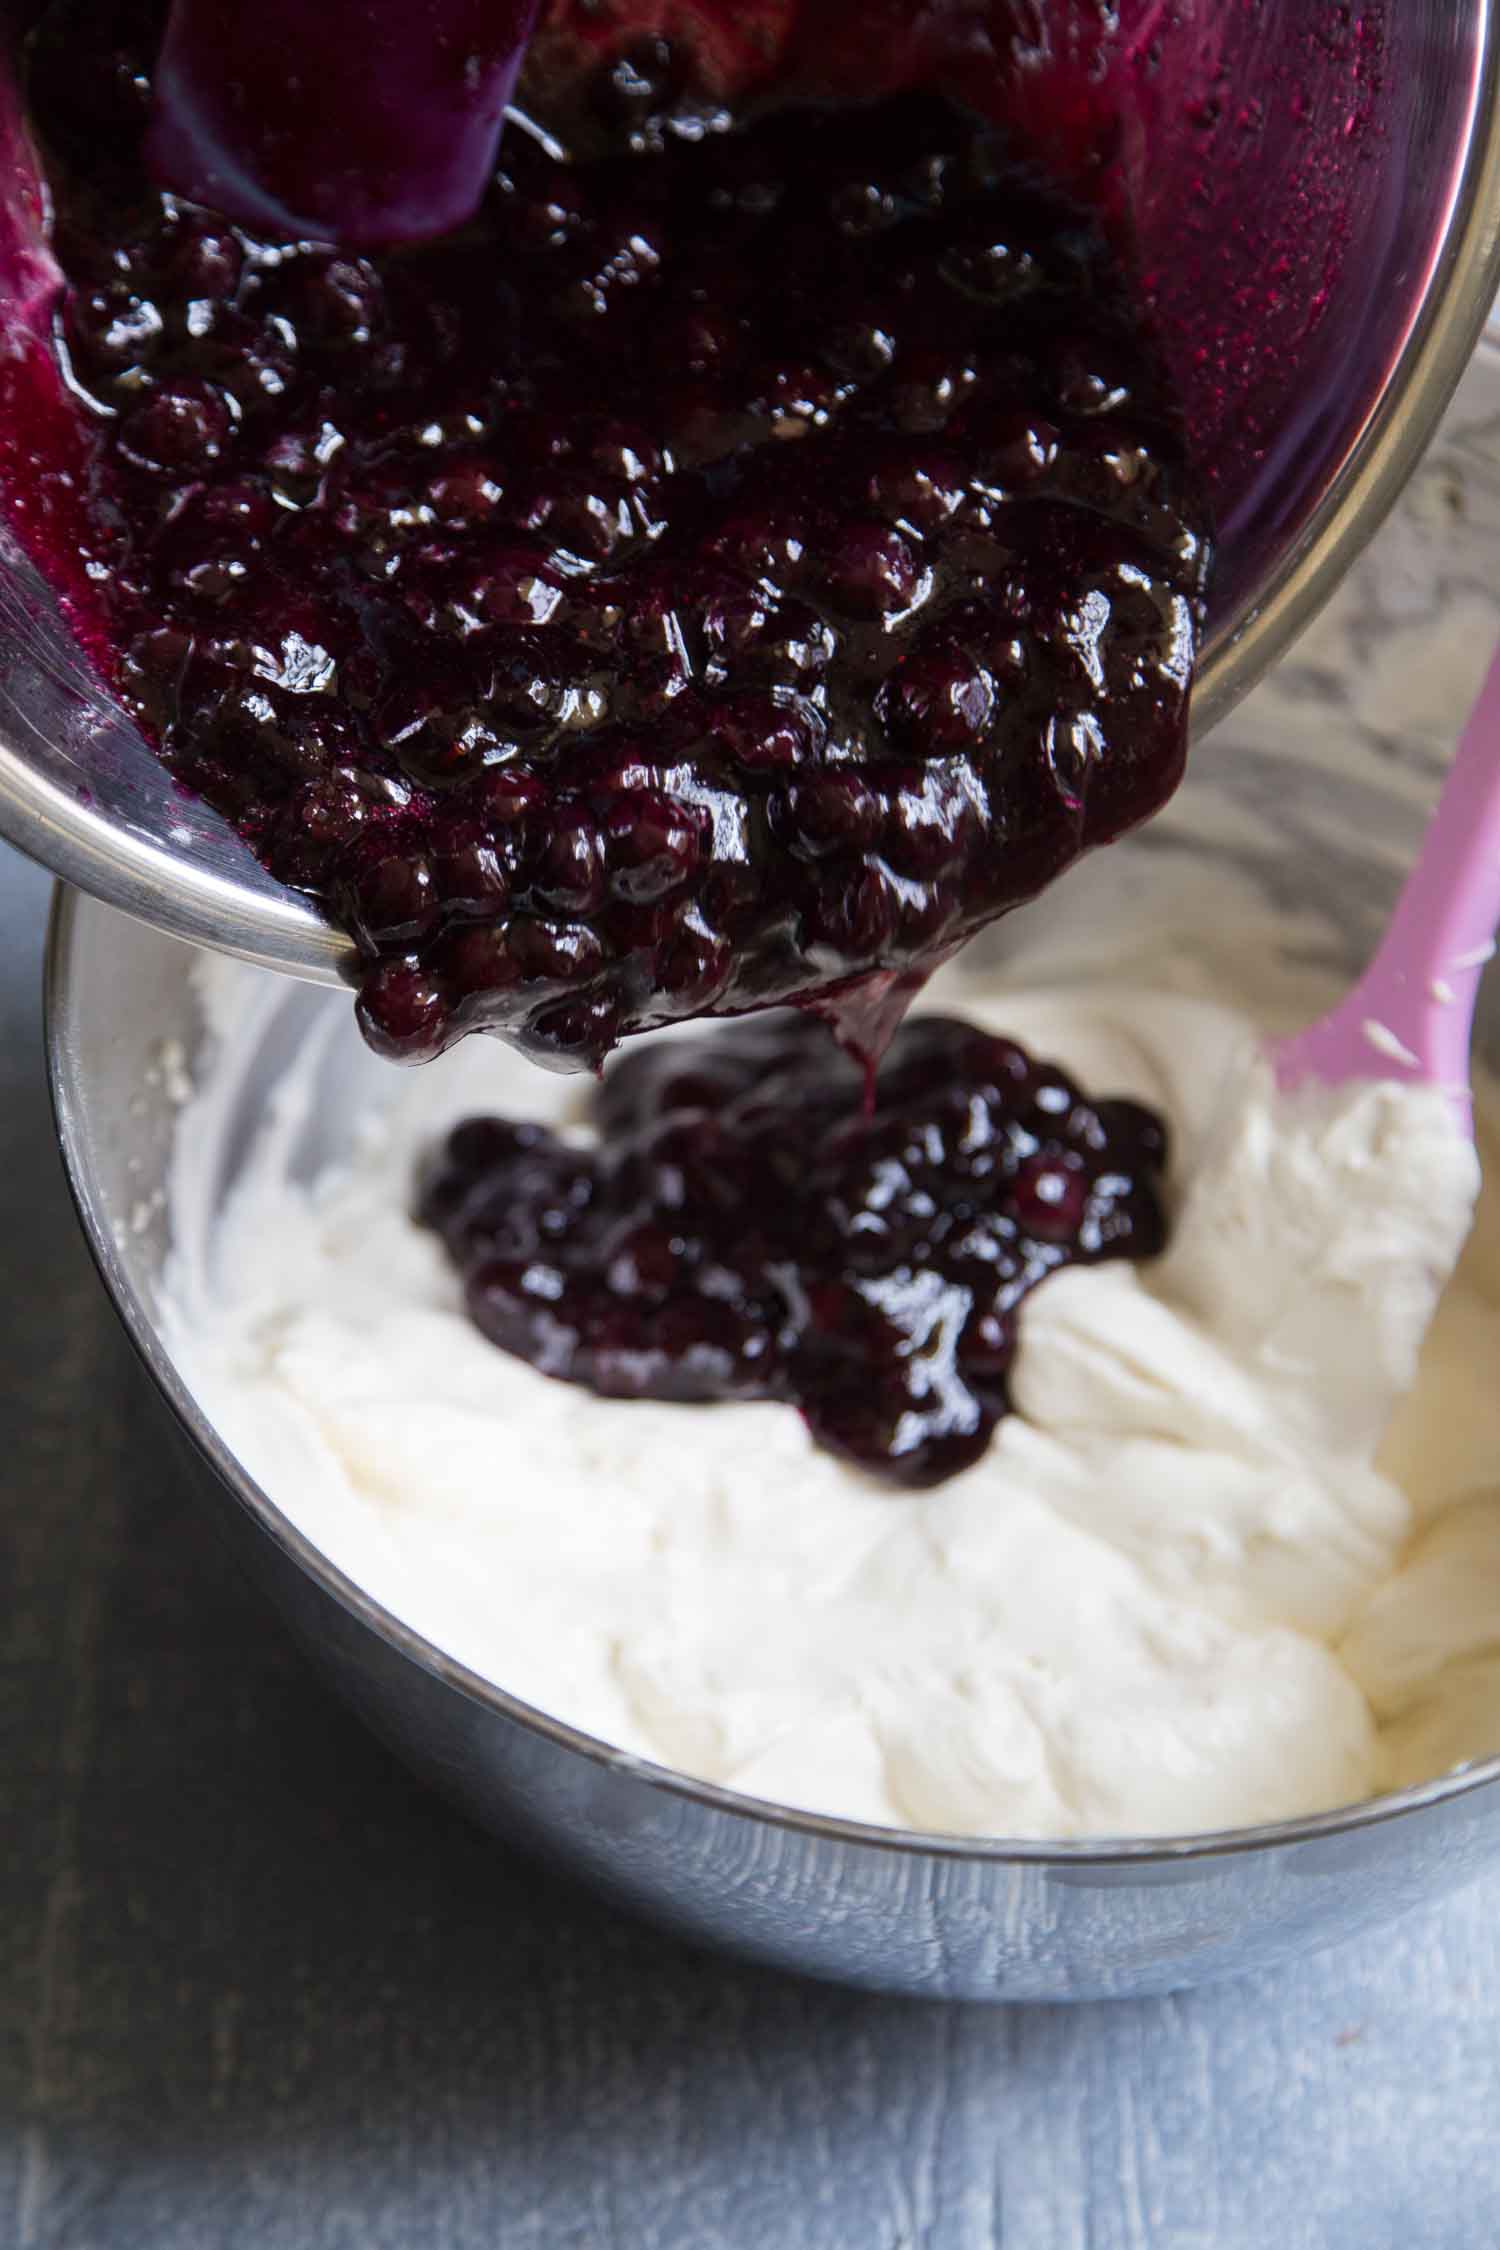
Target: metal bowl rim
x=66, y=1075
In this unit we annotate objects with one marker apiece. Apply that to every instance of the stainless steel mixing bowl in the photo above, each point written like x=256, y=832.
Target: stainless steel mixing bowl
x=870, y=1906
x=1323, y=228
x=1319, y=796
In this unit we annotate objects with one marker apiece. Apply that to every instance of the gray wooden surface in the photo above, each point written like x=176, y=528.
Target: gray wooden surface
x=258, y=1991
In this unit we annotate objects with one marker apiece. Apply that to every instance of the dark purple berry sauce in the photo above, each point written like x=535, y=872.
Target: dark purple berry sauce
x=742, y=1229
x=751, y=556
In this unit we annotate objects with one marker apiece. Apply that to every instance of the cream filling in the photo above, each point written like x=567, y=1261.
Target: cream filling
x=1195, y=1583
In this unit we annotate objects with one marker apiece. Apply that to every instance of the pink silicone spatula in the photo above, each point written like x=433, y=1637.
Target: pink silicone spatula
x=367, y=121
x=1411, y=1013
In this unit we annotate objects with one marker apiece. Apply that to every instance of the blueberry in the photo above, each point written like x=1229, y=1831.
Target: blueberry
x=205, y=263
x=995, y=270
x=766, y=736
x=554, y=953
x=832, y=812
x=856, y=921
x=922, y=488
x=403, y=1012
x=480, y=961
x=939, y=699
x=181, y=429
x=862, y=207
x=334, y=300
x=691, y=968
x=653, y=845
x=470, y=873
x=569, y=870
x=1049, y=1197
x=109, y=329
x=388, y=897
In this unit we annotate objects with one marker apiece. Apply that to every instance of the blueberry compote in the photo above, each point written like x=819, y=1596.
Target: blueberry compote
x=753, y=554
x=742, y=1228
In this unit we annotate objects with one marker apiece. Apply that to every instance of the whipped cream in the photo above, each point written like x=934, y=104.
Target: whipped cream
x=1201, y=1578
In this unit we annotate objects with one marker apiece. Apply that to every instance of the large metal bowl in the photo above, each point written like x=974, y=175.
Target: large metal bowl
x=870, y=1906
x=1323, y=232
x=1319, y=797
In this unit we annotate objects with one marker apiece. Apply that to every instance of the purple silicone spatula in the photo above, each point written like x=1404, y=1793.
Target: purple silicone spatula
x=359, y=121
x=1411, y=1013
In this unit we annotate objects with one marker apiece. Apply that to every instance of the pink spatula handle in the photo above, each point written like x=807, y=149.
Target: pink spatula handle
x=1411, y=1013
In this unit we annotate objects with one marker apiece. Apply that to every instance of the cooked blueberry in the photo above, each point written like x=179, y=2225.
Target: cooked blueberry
x=839, y=811
x=403, y=1012
x=872, y=570
x=108, y=329
x=756, y=551
x=653, y=845
x=470, y=871
x=205, y=264
x=179, y=429
x=333, y=300
x=939, y=699
x=387, y=896
x=569, y=869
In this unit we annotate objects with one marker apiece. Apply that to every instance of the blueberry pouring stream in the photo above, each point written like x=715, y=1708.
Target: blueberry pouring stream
x=734, y=568
x=744, y=1229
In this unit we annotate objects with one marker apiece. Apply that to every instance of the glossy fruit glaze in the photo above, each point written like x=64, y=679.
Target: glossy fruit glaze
x=743, y=1230
x=743, y=562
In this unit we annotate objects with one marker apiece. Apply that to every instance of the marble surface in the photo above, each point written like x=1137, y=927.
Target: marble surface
x=258, y=1991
